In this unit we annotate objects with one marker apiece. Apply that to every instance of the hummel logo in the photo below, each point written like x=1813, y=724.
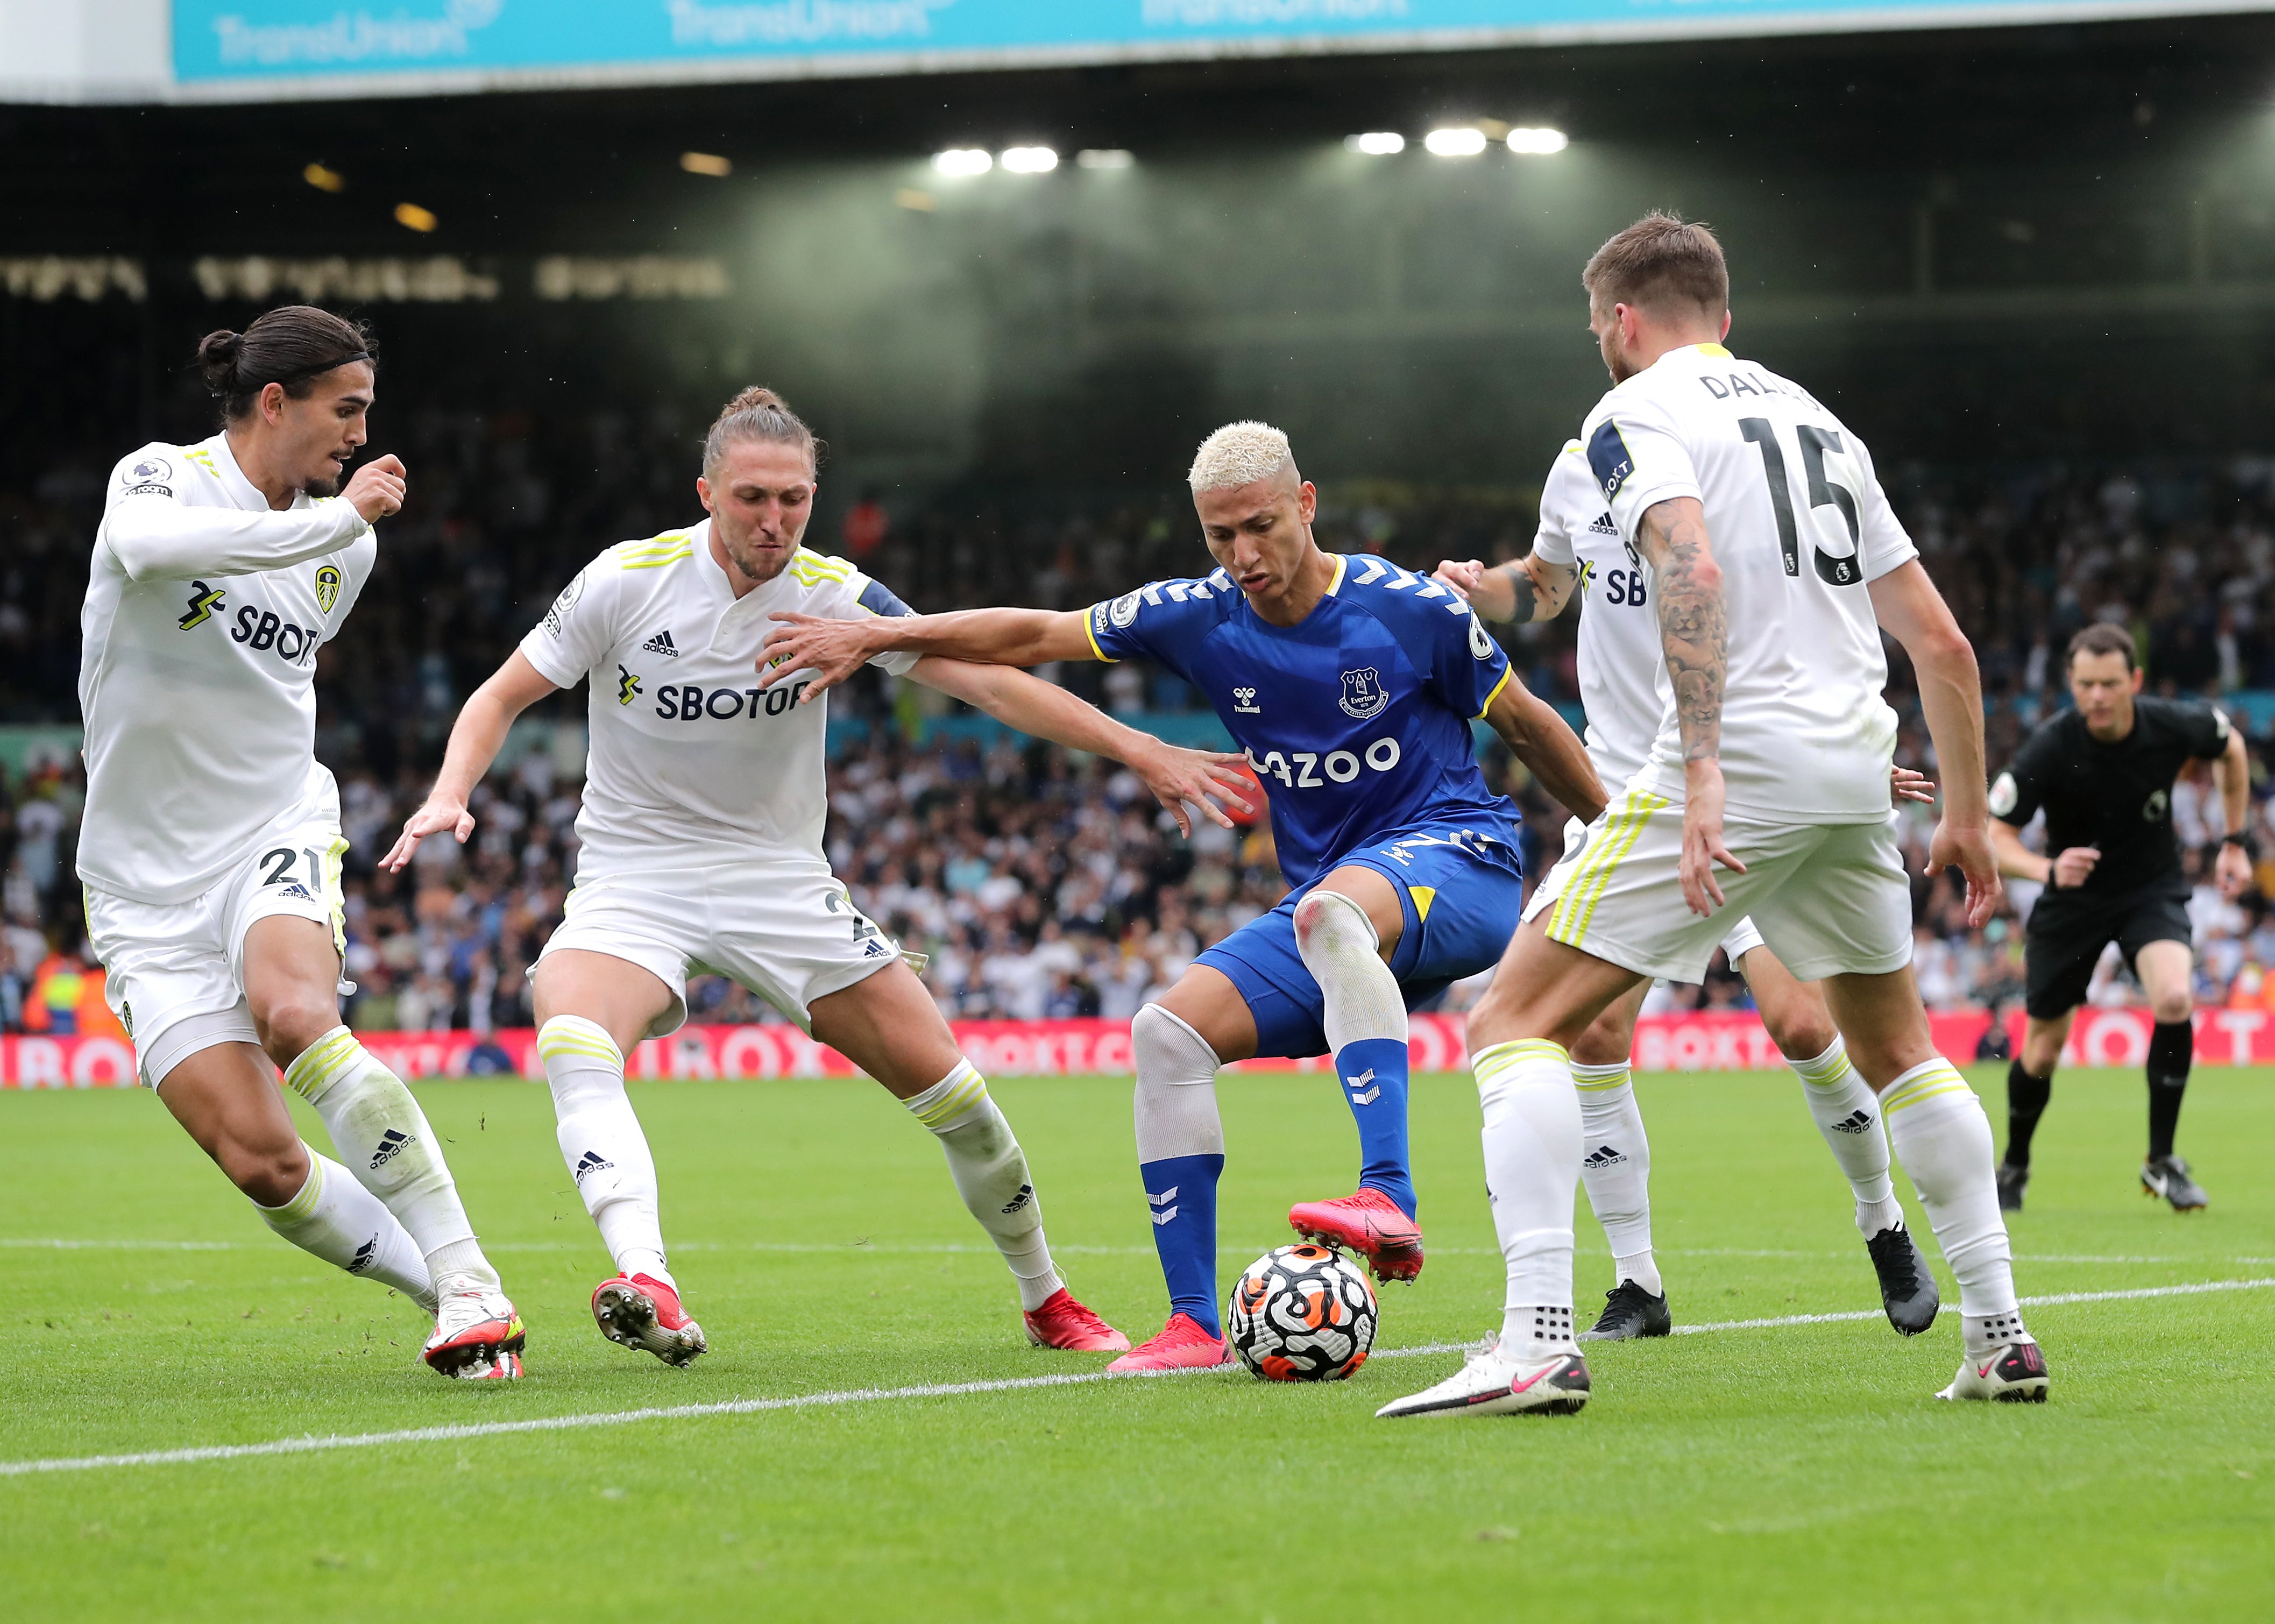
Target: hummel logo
x=1859, y=1121
x=1243, y=700
x=593, y=1162
x=1164, y=1216
x=364, y=1254
x=1170, y=1194
x=1603, y=1156
x=1026, y=1194
x=1161, y=1201
x=1602, y=525
x=660, y=644
x=389, y=1143
x=1360, y=1081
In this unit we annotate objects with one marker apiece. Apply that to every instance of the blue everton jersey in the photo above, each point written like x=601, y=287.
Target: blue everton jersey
x=1358, y=719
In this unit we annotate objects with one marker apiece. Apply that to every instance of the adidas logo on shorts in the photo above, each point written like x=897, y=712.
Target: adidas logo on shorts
x=660, y=644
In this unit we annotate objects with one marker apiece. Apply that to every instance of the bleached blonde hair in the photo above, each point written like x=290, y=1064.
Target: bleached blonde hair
x=1239, y=454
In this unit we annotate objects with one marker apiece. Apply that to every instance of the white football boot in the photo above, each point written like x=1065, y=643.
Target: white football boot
x=1488, y=1385
x=2014, y=1374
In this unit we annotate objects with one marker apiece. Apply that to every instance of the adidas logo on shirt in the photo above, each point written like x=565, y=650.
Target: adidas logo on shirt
x=389, y=1143
x=1602, y=525
x=593, y=1162
x=1603, y=1156
x=660, y=644
x=1856, y=1122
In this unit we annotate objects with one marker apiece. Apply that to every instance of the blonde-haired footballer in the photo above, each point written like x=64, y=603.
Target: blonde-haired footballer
x=702, y=825
x=211, y=846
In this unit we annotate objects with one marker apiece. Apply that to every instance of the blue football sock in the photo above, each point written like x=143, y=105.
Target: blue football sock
x=1182, y=1191
x=1373, y=1073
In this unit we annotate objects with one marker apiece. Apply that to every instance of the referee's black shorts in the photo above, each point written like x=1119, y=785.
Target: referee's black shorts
x=2067, y=931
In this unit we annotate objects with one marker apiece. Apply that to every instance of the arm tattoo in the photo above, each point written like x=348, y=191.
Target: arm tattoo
x=1691, y=621
x=1526, y=598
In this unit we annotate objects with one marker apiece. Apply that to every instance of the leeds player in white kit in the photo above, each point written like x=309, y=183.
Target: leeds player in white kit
x=1578, y=550
x=1776, y=563
x=211, y=845
x=702, y=828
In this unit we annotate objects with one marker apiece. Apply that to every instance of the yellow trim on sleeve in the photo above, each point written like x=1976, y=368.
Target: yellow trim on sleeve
x=1506, y=673
x=1088, y=632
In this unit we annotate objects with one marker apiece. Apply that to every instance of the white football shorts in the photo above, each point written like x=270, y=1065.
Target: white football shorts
x=786, y=929
x=175, y=971
x=1741, y=939
x=1828, y=899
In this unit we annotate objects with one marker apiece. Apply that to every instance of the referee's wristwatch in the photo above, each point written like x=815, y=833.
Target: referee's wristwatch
x=2249, y=844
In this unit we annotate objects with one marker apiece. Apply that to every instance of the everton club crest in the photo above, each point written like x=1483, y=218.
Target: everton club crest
x=1364, y=695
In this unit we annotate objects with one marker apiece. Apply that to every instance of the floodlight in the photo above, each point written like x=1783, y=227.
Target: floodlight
x=1458, y=143
x=1029, y=160
x=1376, y=143
x=1105, y=158
x=1536, y=141
x=416, y=218
x=324, y=179
x=705, y=163
x=963, y=161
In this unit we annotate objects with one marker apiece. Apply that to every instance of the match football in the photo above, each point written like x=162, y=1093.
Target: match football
x=844, y=809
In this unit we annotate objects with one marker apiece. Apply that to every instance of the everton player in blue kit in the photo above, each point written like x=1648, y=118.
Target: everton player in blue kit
x=1351, y=684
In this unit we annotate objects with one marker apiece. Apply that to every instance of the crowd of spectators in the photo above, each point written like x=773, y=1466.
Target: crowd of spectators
x=1038, y=883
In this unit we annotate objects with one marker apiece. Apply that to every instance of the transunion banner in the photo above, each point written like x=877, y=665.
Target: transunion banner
x=325, y=46
x=1702, y=1042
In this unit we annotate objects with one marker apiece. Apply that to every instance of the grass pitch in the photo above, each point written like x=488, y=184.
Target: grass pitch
x=1801, y=1471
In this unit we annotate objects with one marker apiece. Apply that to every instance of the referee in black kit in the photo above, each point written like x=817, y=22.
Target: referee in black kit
x=2103, y=774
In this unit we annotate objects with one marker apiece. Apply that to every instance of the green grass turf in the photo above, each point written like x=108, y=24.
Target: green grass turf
x=1803, y=1472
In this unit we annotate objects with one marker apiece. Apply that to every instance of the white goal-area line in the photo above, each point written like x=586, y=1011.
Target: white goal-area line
x=938, y=1390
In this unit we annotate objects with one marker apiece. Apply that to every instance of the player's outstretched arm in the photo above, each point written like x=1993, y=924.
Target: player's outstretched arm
x=1694, y=629
x=1911, y=611
x=835, y=649
x=2231, y=770
x=1544, y=742
x=1530, y=589
x=1176, y=776
x=155, y=538
x=474, y=739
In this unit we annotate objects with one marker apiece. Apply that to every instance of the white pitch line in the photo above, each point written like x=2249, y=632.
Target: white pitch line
x=938, y=1390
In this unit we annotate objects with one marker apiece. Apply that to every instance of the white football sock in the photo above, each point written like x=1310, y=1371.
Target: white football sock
x=1941, y=1136
x=339, y=1221
x=991, y=1174
x=1532, y=1161
x=602, y=1141
x=1849, y=1116
x=1338, y=945
x=1174, y=1102
x=383, y=1136
x=1615, y=1165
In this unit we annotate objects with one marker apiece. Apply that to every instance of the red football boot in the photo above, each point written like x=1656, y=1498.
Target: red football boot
x=1180, y=1345
x=1368, y=1223
x=641, y=1311
x=1061, y=1322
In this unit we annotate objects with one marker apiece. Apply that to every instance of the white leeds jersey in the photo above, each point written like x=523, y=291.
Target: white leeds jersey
x=205, y=609
x=1623, y=681
x=692, y=763
x=1800, y=527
